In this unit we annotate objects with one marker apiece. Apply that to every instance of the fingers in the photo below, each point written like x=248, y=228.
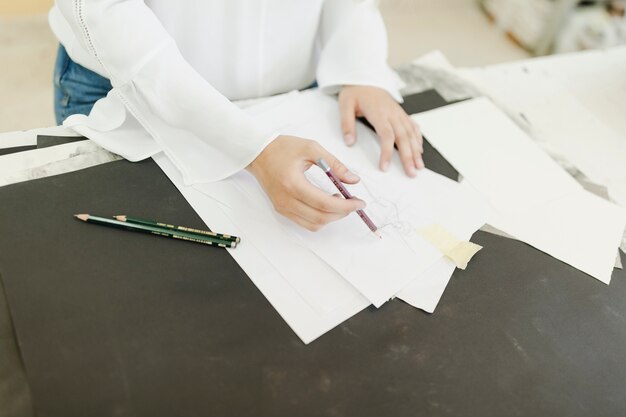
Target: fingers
x=319, y=200
x=313, y=209
x=417, y=143
x=340, y=170
x=309, y=206
x=416, y=153
x=280, y=171
x=404, y=138
x=312, y=218
x=405, y=134
x=347, y=108
x=305, y=223
x=390, y=121
x=386, y=136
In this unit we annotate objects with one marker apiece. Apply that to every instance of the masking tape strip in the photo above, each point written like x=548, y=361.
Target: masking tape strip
x=458, y=251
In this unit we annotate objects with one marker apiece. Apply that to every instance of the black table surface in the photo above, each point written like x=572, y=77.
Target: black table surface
x=111, y=323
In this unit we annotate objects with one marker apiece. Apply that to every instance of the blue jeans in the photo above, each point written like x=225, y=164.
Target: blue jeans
x=76, y=89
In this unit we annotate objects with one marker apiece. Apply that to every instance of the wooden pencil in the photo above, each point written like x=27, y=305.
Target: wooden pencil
x=205, y=240
x=344, y=192
x=136, y=220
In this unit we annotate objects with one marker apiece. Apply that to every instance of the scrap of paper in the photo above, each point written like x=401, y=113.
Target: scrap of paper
x=459, y=252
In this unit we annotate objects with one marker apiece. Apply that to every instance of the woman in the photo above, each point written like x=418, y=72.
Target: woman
x=171, y=69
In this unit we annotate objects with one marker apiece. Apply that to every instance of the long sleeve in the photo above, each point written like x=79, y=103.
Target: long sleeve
x=155, y=89
x=354, y=48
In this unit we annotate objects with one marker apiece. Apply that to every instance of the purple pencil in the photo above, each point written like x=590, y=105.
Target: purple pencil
x=344, y=192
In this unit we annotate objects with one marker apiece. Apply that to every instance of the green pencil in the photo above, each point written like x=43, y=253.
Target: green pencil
x=135, y=220
x=205, y=240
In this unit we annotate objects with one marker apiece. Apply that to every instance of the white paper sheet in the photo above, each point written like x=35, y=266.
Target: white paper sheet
x=307, y=321
x=532, y=198
x=396, y=203
x=344, y=245
x=584, y=231
x=283, y=250
x=316, y=282
x=426, y=291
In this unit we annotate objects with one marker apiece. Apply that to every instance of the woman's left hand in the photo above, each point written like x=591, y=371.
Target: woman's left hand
x=390, y=121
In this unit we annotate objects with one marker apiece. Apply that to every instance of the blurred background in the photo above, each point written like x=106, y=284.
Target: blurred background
x=468, y=32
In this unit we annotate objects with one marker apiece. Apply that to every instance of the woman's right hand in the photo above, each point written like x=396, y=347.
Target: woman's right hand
x=280, y=171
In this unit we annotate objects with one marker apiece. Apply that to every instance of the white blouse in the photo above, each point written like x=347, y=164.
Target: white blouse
x=175, y=66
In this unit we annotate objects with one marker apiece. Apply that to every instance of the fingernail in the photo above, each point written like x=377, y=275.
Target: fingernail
x=420, y=163
x=349, y=138
x=362, y=205
x=352, y=177
x=412, y=171
x=385, y=166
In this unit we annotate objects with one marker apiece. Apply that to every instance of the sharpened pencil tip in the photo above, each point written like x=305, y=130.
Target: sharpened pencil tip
x=377, y=233
x=82, y=217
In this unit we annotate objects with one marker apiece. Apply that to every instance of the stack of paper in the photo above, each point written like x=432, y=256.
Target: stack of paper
x=318, y=280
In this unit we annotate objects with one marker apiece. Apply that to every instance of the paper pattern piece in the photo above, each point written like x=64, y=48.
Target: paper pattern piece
x=494, y=231
x=426, y=290
x=531, y=197
x=580, y=229
x=459, y=252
